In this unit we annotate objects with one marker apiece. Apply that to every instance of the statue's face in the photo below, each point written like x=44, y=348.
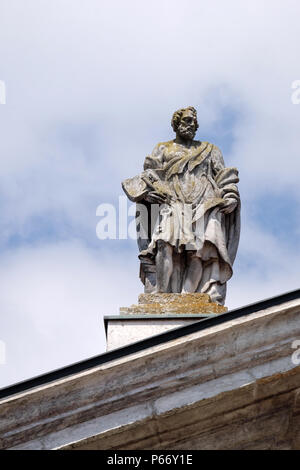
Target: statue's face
x=187, y=126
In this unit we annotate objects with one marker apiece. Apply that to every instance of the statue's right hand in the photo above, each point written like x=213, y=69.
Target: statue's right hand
x=155, y=198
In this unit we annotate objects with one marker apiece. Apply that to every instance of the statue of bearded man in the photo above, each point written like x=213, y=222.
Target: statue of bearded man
x=193, y=202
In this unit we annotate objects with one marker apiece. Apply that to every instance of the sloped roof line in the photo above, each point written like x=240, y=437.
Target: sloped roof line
x=146, y=343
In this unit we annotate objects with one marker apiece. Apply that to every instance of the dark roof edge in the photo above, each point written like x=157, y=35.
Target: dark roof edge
x=145, y=344
x=156, y=316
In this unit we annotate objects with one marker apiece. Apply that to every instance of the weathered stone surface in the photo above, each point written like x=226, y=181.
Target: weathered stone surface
x=188, y=214
x=232, y=386
x=233, y=420
x=180, y=299
x=161, y=303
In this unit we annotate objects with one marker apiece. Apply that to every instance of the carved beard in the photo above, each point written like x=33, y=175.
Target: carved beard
x=186, y=131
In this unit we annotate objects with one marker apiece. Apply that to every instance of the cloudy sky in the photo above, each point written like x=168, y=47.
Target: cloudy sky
x=90, y=89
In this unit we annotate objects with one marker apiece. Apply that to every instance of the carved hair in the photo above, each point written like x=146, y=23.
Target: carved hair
x=178, y=115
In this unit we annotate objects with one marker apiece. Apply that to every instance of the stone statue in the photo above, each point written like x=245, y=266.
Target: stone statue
x=188, y=214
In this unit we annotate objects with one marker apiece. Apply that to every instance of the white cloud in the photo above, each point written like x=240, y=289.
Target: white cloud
x=53, y=298
x=265, y=267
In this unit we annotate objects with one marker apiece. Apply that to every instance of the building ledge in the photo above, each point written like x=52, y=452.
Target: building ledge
x=215, y=381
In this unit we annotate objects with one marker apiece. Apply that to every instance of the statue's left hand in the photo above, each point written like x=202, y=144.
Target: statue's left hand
x=229, y=205
x=155, y=197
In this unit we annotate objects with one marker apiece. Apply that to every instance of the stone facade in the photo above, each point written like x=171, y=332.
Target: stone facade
x=229, y=382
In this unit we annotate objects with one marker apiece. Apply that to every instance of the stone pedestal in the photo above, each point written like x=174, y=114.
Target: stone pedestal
x=157, y=313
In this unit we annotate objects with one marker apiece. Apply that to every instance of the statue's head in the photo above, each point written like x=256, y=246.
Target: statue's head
x=184, y=122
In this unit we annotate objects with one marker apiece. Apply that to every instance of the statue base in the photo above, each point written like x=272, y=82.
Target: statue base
x=157, y=313
x=173, y=303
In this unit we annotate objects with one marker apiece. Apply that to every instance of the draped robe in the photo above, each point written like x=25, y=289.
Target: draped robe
x=196, y=185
